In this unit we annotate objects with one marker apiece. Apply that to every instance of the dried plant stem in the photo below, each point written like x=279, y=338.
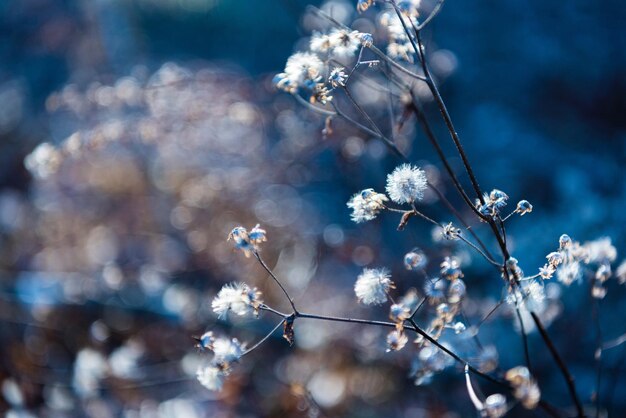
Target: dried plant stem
x=273, y=276
x=559, y=361
x=255, y=346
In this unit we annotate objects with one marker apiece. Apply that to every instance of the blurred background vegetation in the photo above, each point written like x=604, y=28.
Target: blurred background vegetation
x=108, y=262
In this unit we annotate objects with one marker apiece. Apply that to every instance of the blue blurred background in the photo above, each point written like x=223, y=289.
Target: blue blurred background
x=537, y=93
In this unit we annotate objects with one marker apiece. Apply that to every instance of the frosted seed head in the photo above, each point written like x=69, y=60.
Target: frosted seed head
x=211, y=377
x=564, y=241
x=372, y=285
x=415, y=260
x=396, y=340
x=495, y=406
x=406, y=184
x=238, y=298
x=366, y=205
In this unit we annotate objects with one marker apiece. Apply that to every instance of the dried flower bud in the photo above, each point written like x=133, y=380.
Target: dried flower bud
x=555, y=258
x=396, y=340
x=525, y=388
x=495, y=406
x=372, y=285
x=450, y=232
x=523, y=207
x=337, y=77
x=366, y=205
x=248, y=242
x=564, y=241
x=415, y=260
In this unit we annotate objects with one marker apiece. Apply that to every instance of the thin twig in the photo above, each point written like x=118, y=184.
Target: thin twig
x=559, y=361
x=271, y=273
x=255, y=346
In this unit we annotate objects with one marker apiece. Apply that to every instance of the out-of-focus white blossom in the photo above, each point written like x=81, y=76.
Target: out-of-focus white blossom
x=372, y=285
x=90, y=368
x=399, y=46
x=344, y=43
x=601, y=250
x=409, y=7
x=456, y=291
x=435, y=290
x=459, y=327
x=525, y=388
x=406, y=184
x=396, y=340
x=495, y=406
x=227, y=350
x=451, y=268
x=415, y=260
x=401, y=311
x=303, y=67
x=320, y=43
x=430, y=360
x=569, y=273
x=43, y=160
x=211, y=377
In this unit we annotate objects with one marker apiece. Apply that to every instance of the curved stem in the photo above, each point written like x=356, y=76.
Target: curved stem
x=271, y=273
x=431, y=16
x=313, y=107
x=559, y=361
x=255, y=346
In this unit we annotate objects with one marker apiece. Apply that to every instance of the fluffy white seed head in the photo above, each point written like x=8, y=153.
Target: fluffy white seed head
x=227, y=350
x=372, y=285
x=366, y=205
x=415, y=260
x=406, y=184
x=344, y=43
x=396, y=340
x=238, y=298
x=211, y=377
x=525, y=388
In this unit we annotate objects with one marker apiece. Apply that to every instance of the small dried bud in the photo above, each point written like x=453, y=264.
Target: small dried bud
x=450, y=232
x=396, y=340
x=523, y=207
x=367, y=40
x=564, y=241
x=415, y=260
x=337, y=77
x=555, y=258
x=525, y=387
x=598, y=291
x=495, y=406
x=459, y=327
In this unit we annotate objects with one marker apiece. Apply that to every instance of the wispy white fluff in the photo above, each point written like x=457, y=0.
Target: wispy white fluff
x=406, y=184
x=366, y=205
x=372, y=285
x=238, y=298
x=211, y=377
